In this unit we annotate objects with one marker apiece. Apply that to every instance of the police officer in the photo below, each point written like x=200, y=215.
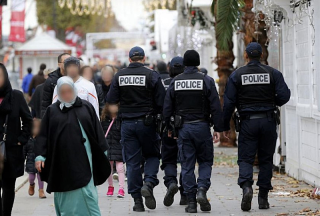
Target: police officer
x=169, y=149
x=255, y=90
x=140, y=92
x=164, y=74
x=193, y=99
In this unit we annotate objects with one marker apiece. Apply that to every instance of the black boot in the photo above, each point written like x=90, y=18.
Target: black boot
x=203, y=200
x=263, y=199
x=183, y=197
x=171, y=191
x=192, y=205
x=246, y=197
x=147, y=193
x=138, y=205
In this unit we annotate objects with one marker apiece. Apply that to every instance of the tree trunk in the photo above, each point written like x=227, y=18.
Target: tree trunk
x=224, y=61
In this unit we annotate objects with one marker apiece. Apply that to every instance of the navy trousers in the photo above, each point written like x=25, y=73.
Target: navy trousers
x=169, y=155
x=195, y=145
x=257, y=136
x=140, y=141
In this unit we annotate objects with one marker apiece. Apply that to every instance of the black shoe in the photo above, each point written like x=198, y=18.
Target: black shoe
x=183, y=200
x=169, y=197
x=263, y=199
x=138, y=205
x=147, y=193
x=192, y=206
x=246, y=198
x=203, y=200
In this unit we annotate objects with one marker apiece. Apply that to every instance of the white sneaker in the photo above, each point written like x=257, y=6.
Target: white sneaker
x=115, y=176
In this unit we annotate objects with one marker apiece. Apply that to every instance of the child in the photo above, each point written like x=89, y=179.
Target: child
x=113, y=135
x=30, y=163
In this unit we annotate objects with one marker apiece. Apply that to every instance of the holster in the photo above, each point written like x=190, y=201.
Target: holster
x=277, y=115
x=148, y=120
x=237, y=120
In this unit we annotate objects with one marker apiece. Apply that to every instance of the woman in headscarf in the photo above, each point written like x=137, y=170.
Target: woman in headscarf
x=14, y=106
x=71, y=153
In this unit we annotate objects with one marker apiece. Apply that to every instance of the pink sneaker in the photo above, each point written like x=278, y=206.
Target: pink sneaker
x=121, y=193
x=110, y=191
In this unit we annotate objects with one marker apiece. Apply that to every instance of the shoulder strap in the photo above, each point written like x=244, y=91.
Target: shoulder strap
x=5, y=126
x=109, y=127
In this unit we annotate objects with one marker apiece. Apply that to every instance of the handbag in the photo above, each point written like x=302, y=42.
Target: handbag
x=3, y=142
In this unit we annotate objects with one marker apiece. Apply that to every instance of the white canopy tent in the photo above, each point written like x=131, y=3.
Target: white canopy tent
x=41, y=49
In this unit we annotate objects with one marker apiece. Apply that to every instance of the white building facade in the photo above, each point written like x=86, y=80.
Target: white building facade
x=299, y=57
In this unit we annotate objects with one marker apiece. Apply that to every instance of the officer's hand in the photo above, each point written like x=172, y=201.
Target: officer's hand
x=226, y=134
x=216, y=137
x=169, y=133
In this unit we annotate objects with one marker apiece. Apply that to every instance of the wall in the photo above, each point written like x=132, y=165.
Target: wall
x=302, y=118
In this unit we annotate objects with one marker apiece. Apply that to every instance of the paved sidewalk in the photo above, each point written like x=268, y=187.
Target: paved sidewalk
x=289, y=197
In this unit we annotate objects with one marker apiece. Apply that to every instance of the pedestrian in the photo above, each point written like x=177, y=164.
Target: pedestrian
x=140, y=92
x=26, y=82
x=14, y=112
x=29, y=155
x=37, y=79
x=169, y=150
x=71, y=153
x=112, y=128
x=36, y=100
x=193, y=100
x=255, y=90
x=51, y=82
x=107, y=74
x=85, y=88
x=87, y=73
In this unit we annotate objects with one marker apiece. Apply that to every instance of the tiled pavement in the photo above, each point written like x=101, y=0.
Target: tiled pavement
x=224, y=195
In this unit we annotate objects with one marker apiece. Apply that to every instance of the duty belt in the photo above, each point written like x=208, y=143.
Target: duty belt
x=256, y=116
x=195, y=121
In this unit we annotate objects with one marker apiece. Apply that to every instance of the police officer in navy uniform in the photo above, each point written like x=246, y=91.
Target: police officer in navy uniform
x=169, y=149
x=140, y=92
x=255, y=90
x=192, y=98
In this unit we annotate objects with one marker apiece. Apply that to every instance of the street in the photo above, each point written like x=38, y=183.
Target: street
x=224, y=195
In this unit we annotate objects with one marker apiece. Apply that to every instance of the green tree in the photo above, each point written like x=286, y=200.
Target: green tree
x=49, y=13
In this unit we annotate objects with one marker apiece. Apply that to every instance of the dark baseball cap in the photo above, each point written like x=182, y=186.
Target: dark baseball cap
x=254, y=49
x=136, y=51
x=176, y=61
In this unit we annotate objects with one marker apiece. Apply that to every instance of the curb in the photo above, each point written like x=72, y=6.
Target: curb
x=17, y=187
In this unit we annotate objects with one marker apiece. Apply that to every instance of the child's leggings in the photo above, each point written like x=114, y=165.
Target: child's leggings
x=121, y=174
x=32, y=177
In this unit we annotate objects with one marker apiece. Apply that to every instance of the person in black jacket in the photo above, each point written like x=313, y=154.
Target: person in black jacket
x=164, y=74
x=51, y=82
x=112, y=129
x=107, y=74
x=29, y=155
x=13, y=105
x=87, y=73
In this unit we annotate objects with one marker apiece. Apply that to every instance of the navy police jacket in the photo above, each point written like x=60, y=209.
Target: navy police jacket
x=139, y=91
x=209, y=92
x=256, y=76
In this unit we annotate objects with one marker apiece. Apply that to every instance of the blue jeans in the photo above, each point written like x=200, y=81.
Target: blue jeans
x=140, y=141
x=195, y=145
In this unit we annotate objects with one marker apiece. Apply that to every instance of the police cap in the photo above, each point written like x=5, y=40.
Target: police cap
x=254, y=49
x=136, y=51
x=176, y=62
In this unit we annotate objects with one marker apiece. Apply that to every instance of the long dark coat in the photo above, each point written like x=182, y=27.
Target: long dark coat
x=113, y=139
x=19, y=130
x=60, y=141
